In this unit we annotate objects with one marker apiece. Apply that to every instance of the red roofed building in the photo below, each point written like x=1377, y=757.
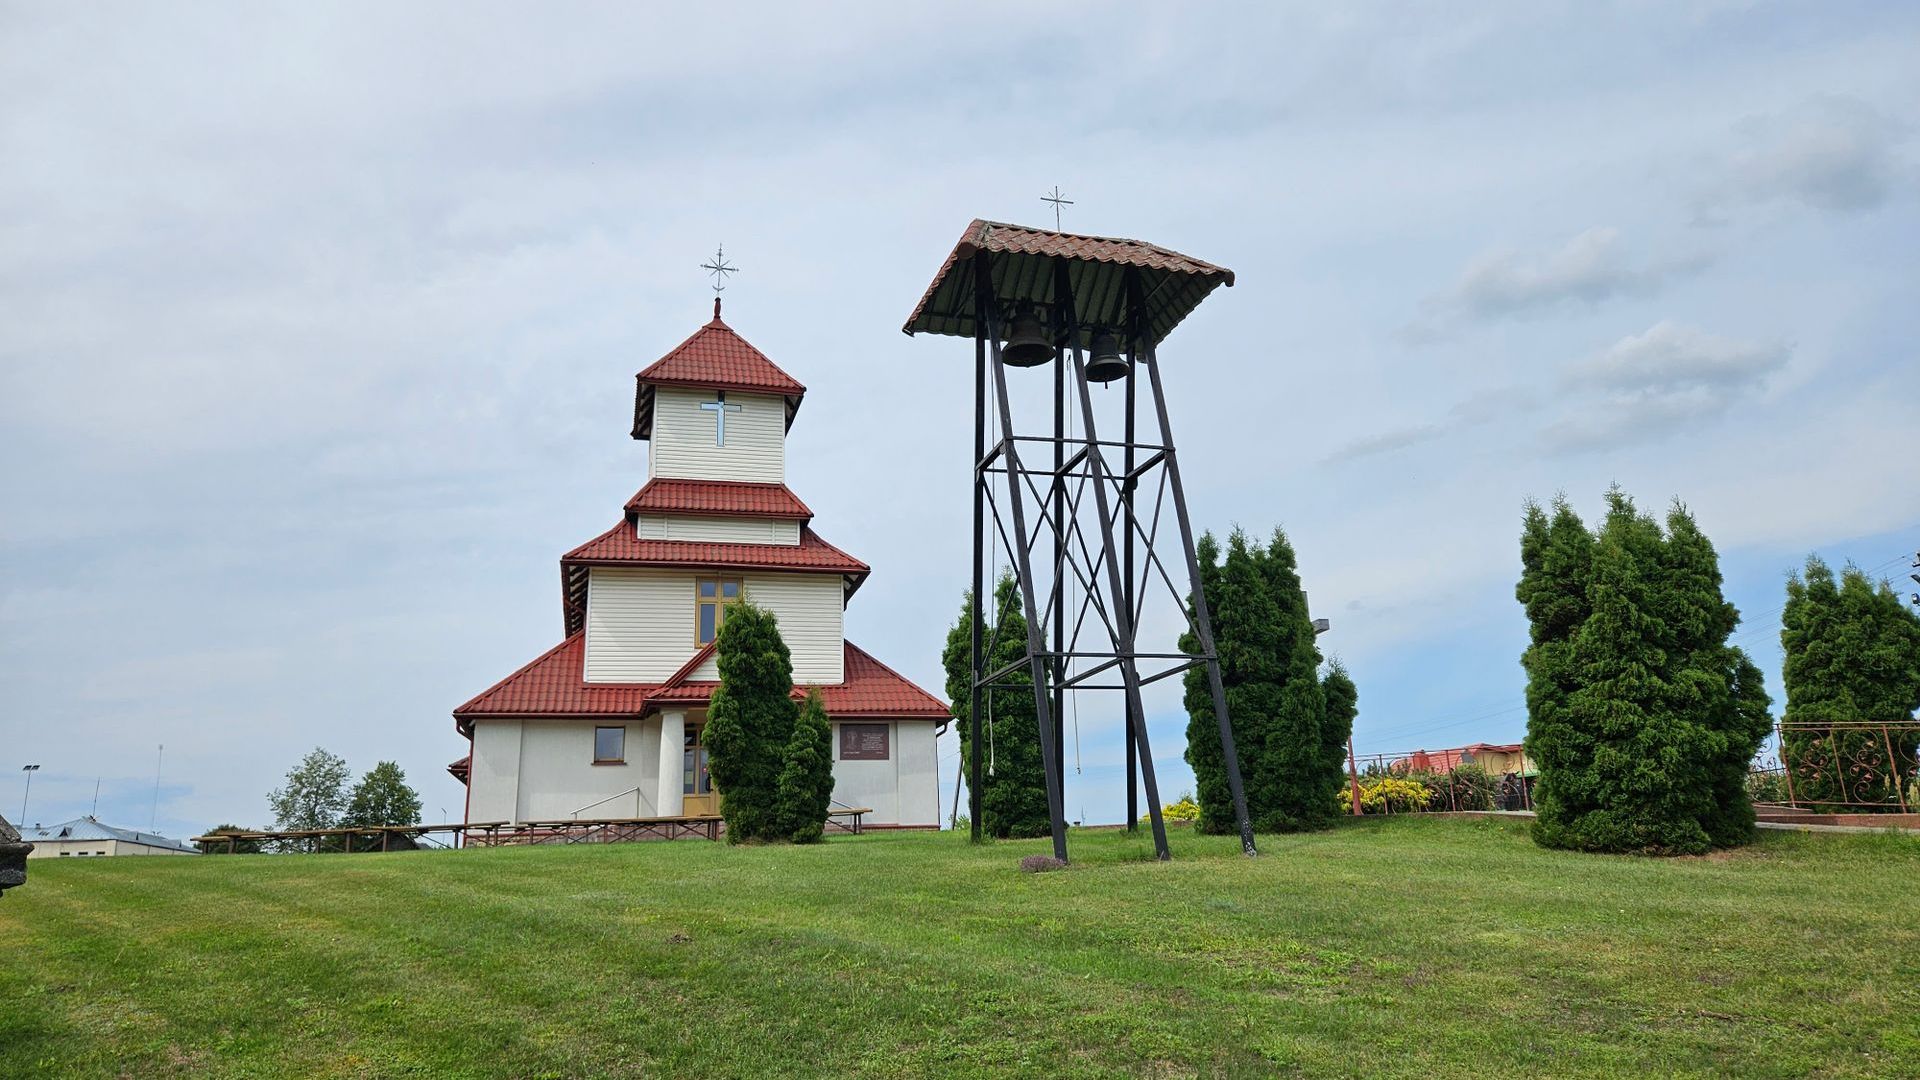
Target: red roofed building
x=607, y=723
x=1495, y=758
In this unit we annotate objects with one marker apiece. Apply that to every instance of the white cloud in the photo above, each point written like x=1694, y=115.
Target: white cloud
x=1655, y=383
x=1589, y=268
x=1501, y=404
x=1830, y=153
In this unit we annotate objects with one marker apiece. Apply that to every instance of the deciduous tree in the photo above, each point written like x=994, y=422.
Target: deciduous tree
x=382, y=797
x=220, y=847
x=314, y=796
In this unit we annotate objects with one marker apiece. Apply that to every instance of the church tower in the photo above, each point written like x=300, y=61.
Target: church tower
x=607, y=724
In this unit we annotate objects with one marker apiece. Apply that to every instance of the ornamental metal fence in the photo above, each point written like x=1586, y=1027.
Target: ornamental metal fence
x=1851, y=767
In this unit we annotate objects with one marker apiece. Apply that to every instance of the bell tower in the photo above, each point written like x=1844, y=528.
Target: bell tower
x=1092, y=521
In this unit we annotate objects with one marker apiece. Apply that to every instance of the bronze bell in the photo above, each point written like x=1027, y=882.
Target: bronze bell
x=1027, y=344
x=1106, y=362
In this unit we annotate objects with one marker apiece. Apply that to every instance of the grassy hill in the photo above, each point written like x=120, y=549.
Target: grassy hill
x=1401, y=947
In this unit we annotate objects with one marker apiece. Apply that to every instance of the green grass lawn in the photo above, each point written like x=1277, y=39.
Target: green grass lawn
x=1401, y=947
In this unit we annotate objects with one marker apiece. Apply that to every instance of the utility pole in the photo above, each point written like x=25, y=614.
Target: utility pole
x=154, y=817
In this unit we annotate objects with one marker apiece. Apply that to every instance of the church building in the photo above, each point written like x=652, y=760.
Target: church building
x=607, y=724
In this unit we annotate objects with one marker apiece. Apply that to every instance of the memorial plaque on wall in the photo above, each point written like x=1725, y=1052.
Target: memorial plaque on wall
x=863, y=742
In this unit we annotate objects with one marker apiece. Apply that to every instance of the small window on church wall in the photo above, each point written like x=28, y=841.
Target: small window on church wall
x=864, y=742
x=609, y=745
x=712, y=595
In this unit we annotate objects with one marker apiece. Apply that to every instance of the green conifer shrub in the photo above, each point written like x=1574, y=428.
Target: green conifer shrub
x=1290, y=723
x=750, y=721
x=1641, y=718
x=1852, y=657
x=805, y=789
x=1013, y=792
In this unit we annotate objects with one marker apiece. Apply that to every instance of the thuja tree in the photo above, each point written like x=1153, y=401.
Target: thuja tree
x=1640, y=716
x=750, y=720
x=1013, y=791
x=1290, y=722
x=1852, y=658
x=805, y=788
x=1716, y=681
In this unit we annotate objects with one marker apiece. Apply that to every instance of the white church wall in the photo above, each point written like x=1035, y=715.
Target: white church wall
x=903, y=789
x=810, y=609
x=559, y=777
x=543, y=770
x=919, y=773
x=493, y=776
x=683, y=437
x=717, y=530
x=639, y=624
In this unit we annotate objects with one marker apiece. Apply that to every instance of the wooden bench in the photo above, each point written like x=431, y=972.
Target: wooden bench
x=848, y=819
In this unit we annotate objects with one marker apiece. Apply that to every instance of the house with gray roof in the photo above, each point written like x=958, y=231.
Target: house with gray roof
x=89, y=837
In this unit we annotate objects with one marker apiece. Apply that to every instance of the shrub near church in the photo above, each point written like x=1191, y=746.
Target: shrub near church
x=771, y=760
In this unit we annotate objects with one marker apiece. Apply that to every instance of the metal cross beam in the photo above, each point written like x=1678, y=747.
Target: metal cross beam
x=718, y=268
x=1058, y=199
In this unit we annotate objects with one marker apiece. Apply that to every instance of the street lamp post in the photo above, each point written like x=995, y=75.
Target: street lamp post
x=29, y=770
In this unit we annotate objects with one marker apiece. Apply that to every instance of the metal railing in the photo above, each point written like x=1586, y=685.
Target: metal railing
x=638, y=801
x=1852, y=767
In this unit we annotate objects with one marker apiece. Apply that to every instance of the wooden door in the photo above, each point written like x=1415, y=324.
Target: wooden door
x=697, y=796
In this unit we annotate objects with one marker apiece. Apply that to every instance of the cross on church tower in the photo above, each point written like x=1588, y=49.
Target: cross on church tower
x=719, y=408
x=719, y=268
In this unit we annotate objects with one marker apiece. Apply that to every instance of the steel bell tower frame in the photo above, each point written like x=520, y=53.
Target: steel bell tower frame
x=1033, y=298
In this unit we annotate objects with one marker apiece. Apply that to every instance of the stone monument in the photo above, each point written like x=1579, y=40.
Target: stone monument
x=13, y=857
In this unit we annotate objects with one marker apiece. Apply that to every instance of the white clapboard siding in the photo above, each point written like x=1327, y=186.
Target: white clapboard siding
x=683, y=437
x=809, y=608
x=640, y=623
x=718, y=529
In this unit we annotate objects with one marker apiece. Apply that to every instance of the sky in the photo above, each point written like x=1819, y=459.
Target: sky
x=321, y=322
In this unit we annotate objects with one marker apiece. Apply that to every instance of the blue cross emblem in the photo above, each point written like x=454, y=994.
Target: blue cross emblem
x=719, y=408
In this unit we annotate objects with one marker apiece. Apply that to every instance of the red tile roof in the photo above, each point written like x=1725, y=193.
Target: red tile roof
x=622, y=546
x=551, y=686
x=662, y=495
x=1023, y=269
x=462, y=768
x=714, y=357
